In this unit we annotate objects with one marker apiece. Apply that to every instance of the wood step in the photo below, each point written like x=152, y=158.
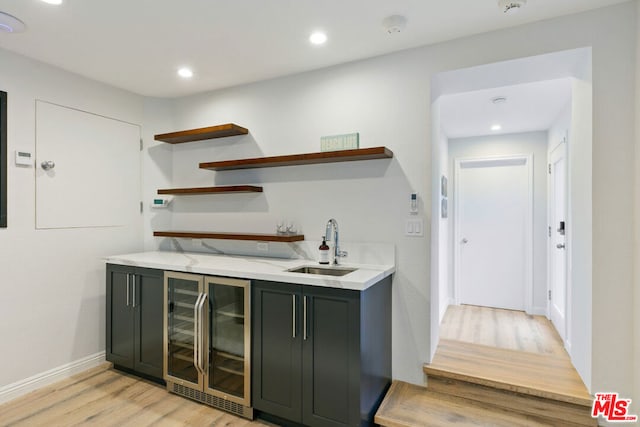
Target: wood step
x=545, y=376
x=408, y=405
x=551, y=411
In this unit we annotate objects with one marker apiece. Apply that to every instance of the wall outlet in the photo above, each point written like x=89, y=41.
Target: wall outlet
x=262, y=246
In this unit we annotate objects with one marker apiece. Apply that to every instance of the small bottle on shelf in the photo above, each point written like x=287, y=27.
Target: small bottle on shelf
x=324, y=251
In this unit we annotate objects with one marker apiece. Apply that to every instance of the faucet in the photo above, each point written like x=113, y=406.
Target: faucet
x=333, y=224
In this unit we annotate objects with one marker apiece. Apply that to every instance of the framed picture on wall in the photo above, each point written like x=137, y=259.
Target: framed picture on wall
x=443, y=186
x=444, y=208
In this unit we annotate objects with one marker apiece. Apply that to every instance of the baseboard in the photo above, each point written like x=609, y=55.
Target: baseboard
x=539, y=311
x=443, y=310
x=567, y=346
x=19, y=388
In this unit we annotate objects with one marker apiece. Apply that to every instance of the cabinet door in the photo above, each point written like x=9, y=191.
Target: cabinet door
x=148, y=305
x=229, y=340
x=277, y=382
x=181, y=329
x=331, y=357
x=119, y=337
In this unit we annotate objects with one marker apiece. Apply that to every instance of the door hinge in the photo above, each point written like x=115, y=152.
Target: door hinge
x=549, y=231
x=140, y=144
x=549, y=294
x=549, y=168
x=141, y=207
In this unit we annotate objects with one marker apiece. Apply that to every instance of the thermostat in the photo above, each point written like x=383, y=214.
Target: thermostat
x=23, y=158
x=160, y=202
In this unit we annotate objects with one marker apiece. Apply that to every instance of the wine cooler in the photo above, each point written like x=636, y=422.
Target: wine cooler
x=207, y=340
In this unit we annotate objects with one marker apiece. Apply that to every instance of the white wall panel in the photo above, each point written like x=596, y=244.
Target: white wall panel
x=96, y=178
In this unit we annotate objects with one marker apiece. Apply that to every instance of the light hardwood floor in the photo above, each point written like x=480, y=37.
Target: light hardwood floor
x=105, y=397
x=492, y=368
x=494, y=327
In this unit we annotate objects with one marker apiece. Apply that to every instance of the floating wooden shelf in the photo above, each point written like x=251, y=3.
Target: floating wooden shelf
x=301, y=159
x=232, y=236
x=201, y=134
x=212, y=190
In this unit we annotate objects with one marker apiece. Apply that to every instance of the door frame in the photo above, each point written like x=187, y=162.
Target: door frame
x=519, y=159
x=564, y=145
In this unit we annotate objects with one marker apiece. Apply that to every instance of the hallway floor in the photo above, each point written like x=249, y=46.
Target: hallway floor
x=507, y=329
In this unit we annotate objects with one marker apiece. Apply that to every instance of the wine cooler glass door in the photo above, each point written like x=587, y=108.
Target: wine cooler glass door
x=183, y=294
x=229, y=339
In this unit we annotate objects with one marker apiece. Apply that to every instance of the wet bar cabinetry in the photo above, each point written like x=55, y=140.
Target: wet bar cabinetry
x=247, y=335
x=321, y=356
x=134, y=319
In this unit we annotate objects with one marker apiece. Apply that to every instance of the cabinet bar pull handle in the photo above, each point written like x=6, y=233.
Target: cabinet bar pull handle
x=133, y=279
x=293, y=318
x=304, y=318
x=201, y=352
x=128, y=279
x=196, y=334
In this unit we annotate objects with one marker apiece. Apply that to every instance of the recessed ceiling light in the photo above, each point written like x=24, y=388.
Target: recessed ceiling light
x=499, y=100
x=496, y=127
x=511, y=6
x=56, y=2
x=185, y=73
x=318, y=38
x=11, y=24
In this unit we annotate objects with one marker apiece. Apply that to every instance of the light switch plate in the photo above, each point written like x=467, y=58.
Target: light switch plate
x=414, y=227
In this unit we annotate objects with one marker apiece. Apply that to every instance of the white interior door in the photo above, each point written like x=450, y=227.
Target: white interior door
x=557, y=242
x=492, y=215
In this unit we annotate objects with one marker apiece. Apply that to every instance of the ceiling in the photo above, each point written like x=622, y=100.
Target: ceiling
x=138, y=45
x=528, y=107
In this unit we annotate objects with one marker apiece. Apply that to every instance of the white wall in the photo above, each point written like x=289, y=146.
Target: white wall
x=534, y=143
x=582, y=207
x=440, y=292
x=560, y=128
x=636, y=228
x=52, y=281
x=157, y=164
x=387, y=100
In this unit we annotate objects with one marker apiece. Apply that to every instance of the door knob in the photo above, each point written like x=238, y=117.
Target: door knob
x=464, y=240
x=560, y=246
x=48, y=165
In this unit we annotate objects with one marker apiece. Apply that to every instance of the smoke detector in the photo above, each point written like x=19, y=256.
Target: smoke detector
x=10, y=24
x=394, y=24
x=511, y=6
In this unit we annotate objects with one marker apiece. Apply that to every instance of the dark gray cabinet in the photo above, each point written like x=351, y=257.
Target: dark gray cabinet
x=134, y=334
x=321, y=356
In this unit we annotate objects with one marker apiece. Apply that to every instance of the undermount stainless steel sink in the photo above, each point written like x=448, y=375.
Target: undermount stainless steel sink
x=325, y=271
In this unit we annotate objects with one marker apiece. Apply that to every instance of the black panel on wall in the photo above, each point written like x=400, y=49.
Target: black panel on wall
x=3, y=159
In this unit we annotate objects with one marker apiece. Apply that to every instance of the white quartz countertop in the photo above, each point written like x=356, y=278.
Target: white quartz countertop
x=271, y=269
